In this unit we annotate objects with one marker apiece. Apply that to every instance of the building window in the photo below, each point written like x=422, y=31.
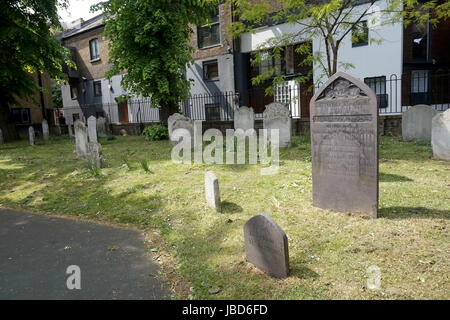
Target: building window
x=209, y=34
x=420, y=93
x=210, y=70
x=73, y=92
x=269, y=62
x=97, y=88
x=212, y=111
x=419, y=37
x=378, y=85
x=94, y=49
x=20, y=115
x=360, y=34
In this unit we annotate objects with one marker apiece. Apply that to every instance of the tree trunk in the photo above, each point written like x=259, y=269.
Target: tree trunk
x=8, y=128
x=167, y=109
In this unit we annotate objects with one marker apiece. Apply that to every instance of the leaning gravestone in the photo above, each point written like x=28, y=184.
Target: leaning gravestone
x=94, y=154
x=31, y=135
x=278, y=117
x=81, y=140
x=440, y=136
x=178, y=121
x=344, y=142
x=45, y=130
x=70, y=129
x=416, y=122
x=212, y=190
x=244, y=118
x=92, y=129
x=2, y=140
x=266, y=246
x=101, y=127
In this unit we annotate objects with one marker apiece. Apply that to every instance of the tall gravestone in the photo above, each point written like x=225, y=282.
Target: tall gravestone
x=212, y=190
x=31, y=136
x=178, y=121
x=92, y=129
x=440, y=136
x=2, y=140
x=244, y=118
x=266, y=246
x=416, y=122
x=94, y=155
x=45, y=130
x=70, y=129
x=277, y=116
x=344, y=142
x=81, y=140
x=101, y=127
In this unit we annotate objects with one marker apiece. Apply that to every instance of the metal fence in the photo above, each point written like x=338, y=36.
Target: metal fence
x=394, y=96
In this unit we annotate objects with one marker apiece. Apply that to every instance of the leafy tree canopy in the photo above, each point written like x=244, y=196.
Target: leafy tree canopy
x=150, y=42
x=27, y=45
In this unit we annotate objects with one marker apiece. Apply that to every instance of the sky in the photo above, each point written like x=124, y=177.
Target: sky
x=78, y=9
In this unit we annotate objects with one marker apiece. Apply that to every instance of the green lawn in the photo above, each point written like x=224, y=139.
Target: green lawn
x=201, y=251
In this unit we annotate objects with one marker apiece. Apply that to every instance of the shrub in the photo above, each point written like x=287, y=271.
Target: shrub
x=156, y=133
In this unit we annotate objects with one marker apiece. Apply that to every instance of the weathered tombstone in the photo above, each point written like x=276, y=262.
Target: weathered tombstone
x=94, y=155
x=2, y=140
x=171, y=120
x=181, y=123
x=92, y=129
x=416, y=122
x=440, y=135
x=45, y=130
x=244, y=118
x=344, y=142
x=31, y=135
x=266, y=246
x=277, y=116
x=81, y=140
x=212, y=190
x=70, y=129
x=101, y=127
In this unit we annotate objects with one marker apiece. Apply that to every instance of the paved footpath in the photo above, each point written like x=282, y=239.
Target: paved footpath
x=36, y=250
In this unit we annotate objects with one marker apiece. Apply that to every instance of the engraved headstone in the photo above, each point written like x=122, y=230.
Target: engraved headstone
x=101, y=127
x=2, y=140
x=416, y=122
x=92, y=129
x=94, y=155
x=45, y=130
x=31, y=135
x=81, y=140
x=344, y=142
x=440, y=136
x=244, y=118
x=266, y=246
x=277, y=116
x=212, y=190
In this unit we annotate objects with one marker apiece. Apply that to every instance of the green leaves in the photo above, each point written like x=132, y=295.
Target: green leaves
x=150, y=42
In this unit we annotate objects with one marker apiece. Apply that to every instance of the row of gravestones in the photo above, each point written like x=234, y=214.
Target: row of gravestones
x=101, y=125
x=276, y=116
x=32, y=134
x=87, y=146
x=423, y=122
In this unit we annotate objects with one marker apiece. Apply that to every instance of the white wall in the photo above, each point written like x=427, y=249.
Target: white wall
x=370, y=61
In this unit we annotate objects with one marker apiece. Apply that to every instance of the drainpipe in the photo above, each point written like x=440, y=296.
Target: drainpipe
x=41, y=93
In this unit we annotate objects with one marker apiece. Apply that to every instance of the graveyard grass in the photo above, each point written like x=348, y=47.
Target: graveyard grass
x=201, y=252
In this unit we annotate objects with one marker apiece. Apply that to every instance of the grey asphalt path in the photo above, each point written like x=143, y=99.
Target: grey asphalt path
x=36, y=250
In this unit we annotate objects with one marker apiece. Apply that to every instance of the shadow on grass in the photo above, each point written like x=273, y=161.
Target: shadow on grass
x=388, y=177
x=230, y=207
x=412, y=212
